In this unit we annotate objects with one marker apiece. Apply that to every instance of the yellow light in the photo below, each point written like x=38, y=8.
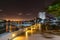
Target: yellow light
x=13, y=39
x=13, y=35
x=26, y=33
x=19, y=38
x=29, y=31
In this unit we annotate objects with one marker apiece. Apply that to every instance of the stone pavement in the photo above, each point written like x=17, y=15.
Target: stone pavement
x=41, y=37
x=5, y=36
x=37, y=37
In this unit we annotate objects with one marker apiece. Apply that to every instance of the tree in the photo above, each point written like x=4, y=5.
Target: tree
x=54, y=8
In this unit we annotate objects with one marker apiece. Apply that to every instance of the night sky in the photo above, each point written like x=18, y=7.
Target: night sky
x=22, y=9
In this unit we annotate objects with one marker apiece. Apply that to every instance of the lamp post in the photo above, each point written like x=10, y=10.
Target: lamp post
x=7, y=26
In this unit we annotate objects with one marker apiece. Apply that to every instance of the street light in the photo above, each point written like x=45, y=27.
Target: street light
x=13, y=35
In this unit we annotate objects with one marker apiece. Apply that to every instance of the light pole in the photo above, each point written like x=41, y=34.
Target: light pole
x=7, y=26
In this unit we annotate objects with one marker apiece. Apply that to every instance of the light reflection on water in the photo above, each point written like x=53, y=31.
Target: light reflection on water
x=20, y=38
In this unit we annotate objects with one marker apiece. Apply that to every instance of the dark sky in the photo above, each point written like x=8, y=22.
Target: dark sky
x=22, y=9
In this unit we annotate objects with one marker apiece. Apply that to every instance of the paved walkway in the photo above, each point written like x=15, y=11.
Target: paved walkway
x=37, y=37
x=5, y=36
x=40, y=37
x=32, y=37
